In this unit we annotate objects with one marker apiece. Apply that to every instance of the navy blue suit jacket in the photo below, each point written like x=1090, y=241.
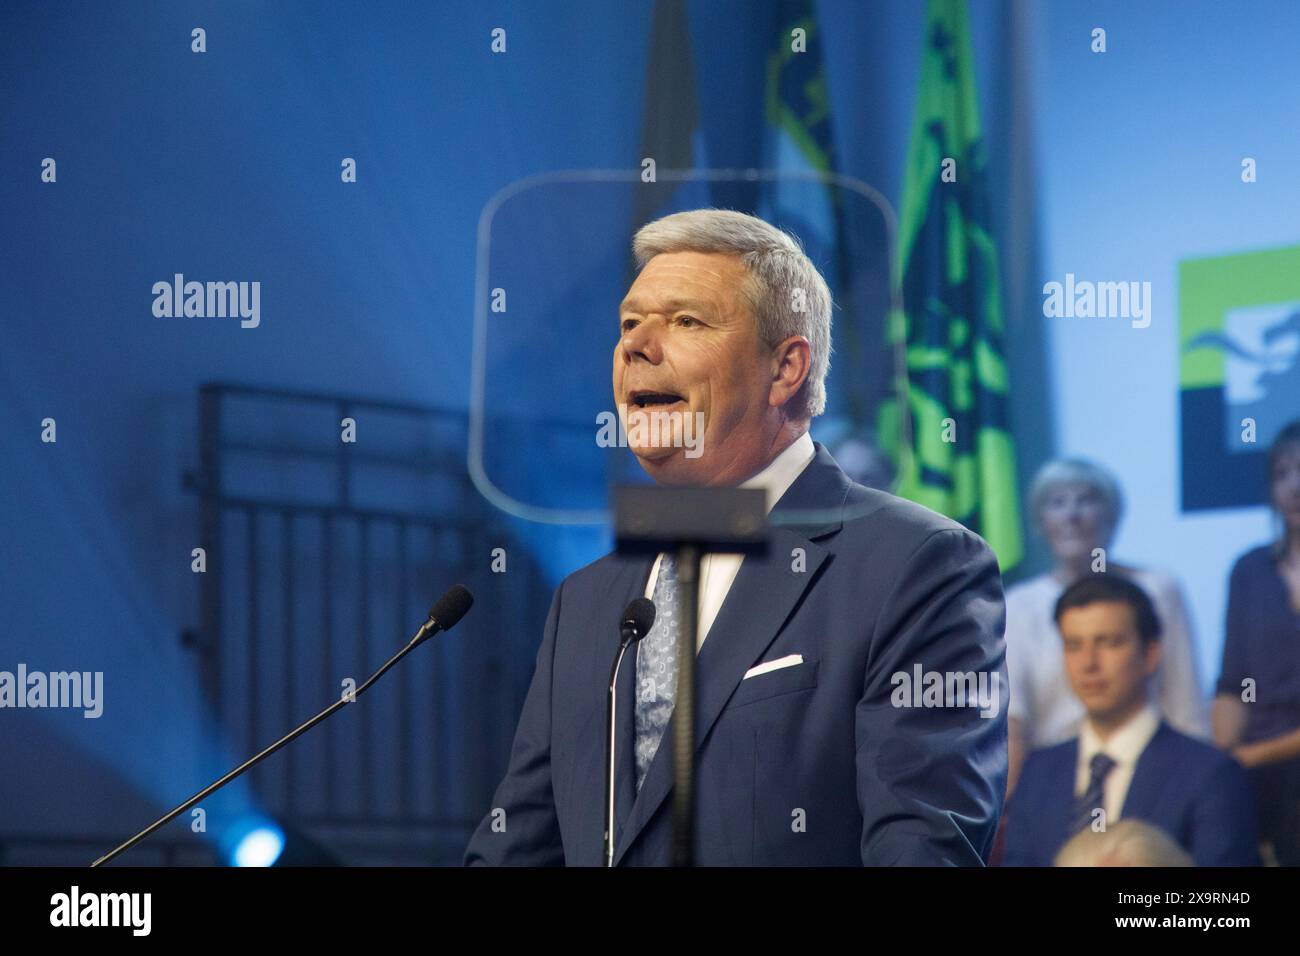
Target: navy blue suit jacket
x=810, y=764
x=1197, y=794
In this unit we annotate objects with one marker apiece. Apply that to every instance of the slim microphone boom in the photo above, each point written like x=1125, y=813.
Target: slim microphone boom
x=443, y=616
x=638, y=617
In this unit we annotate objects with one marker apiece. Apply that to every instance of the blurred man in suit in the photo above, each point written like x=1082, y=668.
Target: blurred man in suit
x=807, y=750
x=1126, y=762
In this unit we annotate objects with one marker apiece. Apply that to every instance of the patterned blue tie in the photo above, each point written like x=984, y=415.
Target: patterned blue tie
x=1095, y=796
x=656, y=668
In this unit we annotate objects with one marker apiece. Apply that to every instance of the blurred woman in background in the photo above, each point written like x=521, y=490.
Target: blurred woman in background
x=1256, y=711
x=1076, y=505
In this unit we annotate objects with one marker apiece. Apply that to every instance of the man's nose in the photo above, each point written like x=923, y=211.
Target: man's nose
x=644, y=341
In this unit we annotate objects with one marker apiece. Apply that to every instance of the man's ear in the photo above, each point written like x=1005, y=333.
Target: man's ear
x=1154, y=654
x=791, y=362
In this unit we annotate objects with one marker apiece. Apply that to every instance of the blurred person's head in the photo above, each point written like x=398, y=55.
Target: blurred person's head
x=1126, y=843
x=1284, y=479
x=727, y=319
x=1110, y=636
x=863, y=461
x=1076, y=506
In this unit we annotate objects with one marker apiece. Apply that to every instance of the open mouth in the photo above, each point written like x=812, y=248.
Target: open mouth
x=660, y=400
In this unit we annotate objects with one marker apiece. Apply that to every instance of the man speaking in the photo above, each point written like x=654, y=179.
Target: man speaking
x=849, y=682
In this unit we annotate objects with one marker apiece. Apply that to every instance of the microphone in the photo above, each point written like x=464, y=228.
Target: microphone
x=638, y=617
x=443, y=616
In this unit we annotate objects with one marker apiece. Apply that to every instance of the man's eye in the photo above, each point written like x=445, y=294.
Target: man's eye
x=689, y=320
x=627, y=325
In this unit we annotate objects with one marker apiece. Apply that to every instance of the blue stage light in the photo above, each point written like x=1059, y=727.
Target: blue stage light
x=259, y=845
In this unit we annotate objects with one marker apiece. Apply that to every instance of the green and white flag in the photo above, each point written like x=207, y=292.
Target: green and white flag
x=951, y=444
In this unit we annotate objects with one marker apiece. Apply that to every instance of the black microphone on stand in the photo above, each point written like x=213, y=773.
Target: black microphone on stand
x=635, y=624
x=443, y=616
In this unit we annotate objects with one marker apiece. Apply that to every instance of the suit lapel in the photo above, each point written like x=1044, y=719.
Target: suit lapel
x=1153, y=772
x=762, y=598
x=1060, y=816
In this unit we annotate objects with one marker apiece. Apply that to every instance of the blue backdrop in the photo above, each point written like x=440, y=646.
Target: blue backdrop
x=225, y=166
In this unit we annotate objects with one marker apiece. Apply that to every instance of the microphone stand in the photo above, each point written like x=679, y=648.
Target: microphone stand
x=427, y=630
x=691, y=522
x=688, y=580
x=611, y=730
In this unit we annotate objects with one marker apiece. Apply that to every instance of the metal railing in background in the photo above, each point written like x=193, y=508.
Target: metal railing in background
x=322, y=557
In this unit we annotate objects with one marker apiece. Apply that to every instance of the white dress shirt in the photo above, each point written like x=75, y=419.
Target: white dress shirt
x=1124, y=746
x=719, y=570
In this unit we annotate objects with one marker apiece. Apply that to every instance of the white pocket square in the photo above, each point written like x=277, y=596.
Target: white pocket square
x=776, y=665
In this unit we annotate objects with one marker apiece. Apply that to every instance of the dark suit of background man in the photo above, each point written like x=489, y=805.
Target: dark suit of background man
x=806, y=754
x=1126, y=762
